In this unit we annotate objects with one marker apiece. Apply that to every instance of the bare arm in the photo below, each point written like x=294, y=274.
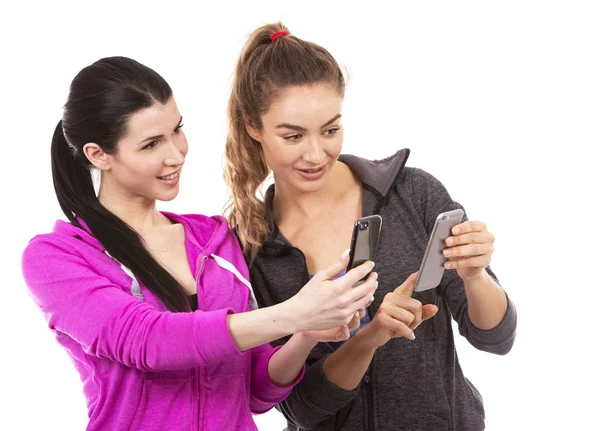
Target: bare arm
x=487, y=301
x=286, y=363
x=346, y=367
x=469, y=251
x=321, y=304
x=397, y=316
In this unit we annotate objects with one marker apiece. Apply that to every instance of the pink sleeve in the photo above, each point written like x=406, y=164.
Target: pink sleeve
x=264, y=393
x=110, y=323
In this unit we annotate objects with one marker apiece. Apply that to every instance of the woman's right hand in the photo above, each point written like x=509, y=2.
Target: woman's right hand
x=324, y=303
x=398, y=316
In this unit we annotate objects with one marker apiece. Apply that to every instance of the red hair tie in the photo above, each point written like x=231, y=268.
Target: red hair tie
x=274, y=36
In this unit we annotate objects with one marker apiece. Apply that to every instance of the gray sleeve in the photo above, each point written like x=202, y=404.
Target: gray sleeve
x=498, y=340
x=314, y=399
x=431, y=198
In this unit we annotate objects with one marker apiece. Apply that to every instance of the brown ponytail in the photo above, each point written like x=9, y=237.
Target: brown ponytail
x=264, y=69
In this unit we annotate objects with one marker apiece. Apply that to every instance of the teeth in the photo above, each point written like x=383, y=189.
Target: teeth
x=170, y=177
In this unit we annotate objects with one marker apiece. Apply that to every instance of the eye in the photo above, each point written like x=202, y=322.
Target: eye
x=150, y=145
x=295, y=137
x=178, y=129
x=331, y=132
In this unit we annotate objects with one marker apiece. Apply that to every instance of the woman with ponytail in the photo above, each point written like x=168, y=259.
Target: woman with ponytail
x=399, y=371
x=155, y=308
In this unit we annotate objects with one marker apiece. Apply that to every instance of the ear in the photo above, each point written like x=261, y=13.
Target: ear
x=97, y=156
x=252, y=131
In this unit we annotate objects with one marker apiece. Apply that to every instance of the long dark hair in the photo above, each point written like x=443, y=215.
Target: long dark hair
x=102, y=98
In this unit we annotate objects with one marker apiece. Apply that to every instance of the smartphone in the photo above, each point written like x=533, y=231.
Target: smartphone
x=365, y=237
x=432, y=265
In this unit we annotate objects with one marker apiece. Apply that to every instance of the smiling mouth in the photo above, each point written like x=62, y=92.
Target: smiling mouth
x=312, y=171
x=169, y=177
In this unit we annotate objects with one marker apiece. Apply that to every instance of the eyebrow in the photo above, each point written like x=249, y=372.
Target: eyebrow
x=156, y=137
x=302, y=129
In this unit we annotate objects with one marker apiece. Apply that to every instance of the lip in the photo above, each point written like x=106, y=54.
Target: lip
x=172, y=181
x=312, y=176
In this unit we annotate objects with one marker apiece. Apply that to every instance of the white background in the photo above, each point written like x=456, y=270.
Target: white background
x=499, y=100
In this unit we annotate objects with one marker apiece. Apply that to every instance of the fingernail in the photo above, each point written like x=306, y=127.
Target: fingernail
x=372, y=298
x=376, y=275
x=376, y=285
x=447, y=265
x=356, y=314
x=345, y=253
x=449, y=241
x=447, y=252
x=456, y=230
x=413, y=336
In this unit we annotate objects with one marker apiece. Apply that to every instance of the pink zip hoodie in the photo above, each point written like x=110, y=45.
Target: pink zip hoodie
x=143, y=367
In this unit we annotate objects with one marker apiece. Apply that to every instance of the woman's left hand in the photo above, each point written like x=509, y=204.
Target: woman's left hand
x=470, y=249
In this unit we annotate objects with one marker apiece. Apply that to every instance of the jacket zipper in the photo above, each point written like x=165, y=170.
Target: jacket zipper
x=200, y=372
x=369, y=380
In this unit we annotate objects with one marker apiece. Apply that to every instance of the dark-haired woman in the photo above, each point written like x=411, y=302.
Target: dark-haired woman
x=154, y=308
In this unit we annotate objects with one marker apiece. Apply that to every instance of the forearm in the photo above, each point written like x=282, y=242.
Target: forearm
x=346, y=367
x=286, y=363
x=486, y=300
x=261, y=326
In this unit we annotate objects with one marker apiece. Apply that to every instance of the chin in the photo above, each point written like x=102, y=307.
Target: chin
x=167, y=197
x=310, y=187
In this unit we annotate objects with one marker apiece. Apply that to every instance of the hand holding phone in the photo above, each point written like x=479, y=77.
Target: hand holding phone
x=365, y=237
x=432, y=265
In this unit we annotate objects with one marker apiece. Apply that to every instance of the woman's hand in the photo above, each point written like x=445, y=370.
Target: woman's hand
x=341, y=333
x=398, y=316
x=327, y=304
x=470, y=249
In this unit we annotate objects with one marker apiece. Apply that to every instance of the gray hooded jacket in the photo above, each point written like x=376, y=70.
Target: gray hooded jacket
x=410, y=385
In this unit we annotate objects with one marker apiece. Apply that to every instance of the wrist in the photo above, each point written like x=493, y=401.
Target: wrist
x=306, y=340
x=363, y=340
x=286, y=318
x=478, y=279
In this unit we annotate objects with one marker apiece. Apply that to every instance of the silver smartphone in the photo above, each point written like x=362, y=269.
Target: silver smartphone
x=365, y=237
x=432, y=265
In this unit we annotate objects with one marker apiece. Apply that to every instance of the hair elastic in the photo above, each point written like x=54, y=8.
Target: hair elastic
x=278, y=34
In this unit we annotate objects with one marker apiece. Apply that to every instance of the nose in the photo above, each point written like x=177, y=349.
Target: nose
x=314, y=152
x=176, y=154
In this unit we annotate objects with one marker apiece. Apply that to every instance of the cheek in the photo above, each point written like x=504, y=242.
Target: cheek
x=151, y=166
x=277, y=155
x=334, y=147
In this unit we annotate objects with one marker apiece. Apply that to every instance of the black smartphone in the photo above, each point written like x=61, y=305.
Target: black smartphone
x=365, y=237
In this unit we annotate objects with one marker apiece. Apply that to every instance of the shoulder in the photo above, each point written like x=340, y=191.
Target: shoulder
x=420, y=184
x=423, y=193
x=44, y=244
x=417, y=177
x=51, y=259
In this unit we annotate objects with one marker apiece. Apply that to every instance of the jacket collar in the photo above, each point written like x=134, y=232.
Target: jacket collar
x=377, y=175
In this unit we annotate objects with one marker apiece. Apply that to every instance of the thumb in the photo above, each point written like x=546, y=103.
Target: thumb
x=429, y=311
x=336, y=268
x=406, y=288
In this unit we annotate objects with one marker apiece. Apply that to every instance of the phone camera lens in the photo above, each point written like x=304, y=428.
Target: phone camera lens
x=445, y=217
x=363, y=225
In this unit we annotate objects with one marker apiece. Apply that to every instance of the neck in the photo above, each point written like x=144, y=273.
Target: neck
x=310, y=204
x=138, y=212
